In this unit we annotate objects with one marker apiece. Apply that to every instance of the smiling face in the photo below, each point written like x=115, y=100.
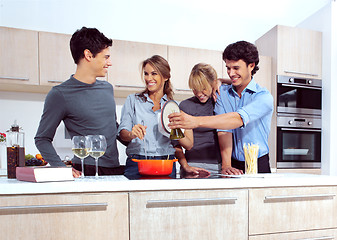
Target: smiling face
x=204, y=95
x=239, y=73
x=101, y=62
x=154, y=81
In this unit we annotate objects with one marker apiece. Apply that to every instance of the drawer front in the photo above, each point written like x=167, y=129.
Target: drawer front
x=189, y=215
x=292, y=209
x=330, y=234
x=66, y=216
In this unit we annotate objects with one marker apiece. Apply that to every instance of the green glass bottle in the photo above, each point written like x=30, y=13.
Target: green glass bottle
x=176, y=134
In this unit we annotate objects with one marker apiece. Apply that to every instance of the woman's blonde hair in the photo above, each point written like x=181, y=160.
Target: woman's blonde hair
x=163, y=68
x=202, y=77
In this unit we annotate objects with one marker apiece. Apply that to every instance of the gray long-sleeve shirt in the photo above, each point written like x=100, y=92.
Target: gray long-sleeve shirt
x=85, y=109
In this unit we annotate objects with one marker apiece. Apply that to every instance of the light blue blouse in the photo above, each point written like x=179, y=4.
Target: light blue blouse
x=133, y=112
x=255, y=108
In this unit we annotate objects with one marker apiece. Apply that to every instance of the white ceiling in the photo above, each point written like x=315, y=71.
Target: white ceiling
x=211, y=24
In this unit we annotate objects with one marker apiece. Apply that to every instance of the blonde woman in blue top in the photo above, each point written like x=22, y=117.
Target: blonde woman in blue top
x=139, y=120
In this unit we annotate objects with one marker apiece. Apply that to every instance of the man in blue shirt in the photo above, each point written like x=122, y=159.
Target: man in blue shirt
x=244, y=111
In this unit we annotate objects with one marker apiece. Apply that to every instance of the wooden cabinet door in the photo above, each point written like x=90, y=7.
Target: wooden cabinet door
x=292, y=209
x=56, y=62
x=299, y=52
x=330, y=234
x=66, y=216
x=19, y=56
x=126, y=58
x=189, y=215
x=183, y=59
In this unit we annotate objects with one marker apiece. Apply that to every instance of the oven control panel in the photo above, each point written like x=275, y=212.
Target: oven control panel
x=299, y=122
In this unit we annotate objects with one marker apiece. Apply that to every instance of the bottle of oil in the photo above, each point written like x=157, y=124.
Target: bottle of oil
x=15, y=150
x=176, y=134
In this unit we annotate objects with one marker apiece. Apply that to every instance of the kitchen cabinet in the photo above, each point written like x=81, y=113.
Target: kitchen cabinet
x=291, y=209
x=66, y=216
x=55, y=60
x=189, y=215
x=126, y=58
x=182, y=60
x=19, y=58
x=295, y=51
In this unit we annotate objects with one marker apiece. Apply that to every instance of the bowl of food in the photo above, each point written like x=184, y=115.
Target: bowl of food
x=155, y=166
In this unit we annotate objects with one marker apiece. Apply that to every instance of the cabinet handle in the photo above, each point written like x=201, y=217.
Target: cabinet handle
x=302, y=73
x=55, y=81
x=56, y=206
x=318, y=238
x=15, y=78
x=298, y=197
x=190, y=202
x=182, y=89
x=129, y=86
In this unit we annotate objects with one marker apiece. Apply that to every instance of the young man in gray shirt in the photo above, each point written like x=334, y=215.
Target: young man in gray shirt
x=84, y=104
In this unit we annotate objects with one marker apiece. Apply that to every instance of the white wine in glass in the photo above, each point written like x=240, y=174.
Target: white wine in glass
x=80, y=148
x=97, y=148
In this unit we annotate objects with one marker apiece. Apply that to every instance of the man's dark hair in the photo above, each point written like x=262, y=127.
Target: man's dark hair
x=88, y=38
x=244, y=51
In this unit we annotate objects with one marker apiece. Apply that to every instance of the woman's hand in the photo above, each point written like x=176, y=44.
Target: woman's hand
x=138, y=131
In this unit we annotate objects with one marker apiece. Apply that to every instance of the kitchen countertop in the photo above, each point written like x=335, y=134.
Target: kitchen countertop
x=120, y=183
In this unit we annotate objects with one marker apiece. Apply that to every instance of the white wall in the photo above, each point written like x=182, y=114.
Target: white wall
x=325, y=21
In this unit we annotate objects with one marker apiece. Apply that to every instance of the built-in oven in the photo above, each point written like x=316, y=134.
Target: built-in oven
x=298, y=141
x=299, y=95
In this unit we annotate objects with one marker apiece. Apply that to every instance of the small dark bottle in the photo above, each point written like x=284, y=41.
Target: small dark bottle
x=15, y=150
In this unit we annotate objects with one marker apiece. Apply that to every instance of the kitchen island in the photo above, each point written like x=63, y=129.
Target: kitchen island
x=270, y=206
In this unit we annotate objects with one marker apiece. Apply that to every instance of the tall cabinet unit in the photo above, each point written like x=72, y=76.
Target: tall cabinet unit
x=294, y=52
x=19, y=58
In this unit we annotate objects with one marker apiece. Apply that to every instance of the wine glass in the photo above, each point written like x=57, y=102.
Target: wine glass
x=80, y=147
x=97, y=147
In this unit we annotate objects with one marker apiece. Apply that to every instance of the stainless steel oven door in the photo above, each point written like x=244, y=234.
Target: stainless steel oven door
x=299, y=96
x=298, y=147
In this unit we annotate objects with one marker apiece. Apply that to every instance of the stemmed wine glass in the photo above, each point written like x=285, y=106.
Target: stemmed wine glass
x=97, y=147
x=80, y=147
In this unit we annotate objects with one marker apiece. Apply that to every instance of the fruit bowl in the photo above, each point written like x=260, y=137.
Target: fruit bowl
x=155, y=166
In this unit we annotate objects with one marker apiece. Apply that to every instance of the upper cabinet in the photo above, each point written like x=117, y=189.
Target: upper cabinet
x=183, y=59
x=55, y=59
x=126, y=58
x=56, y=62
x=295, y=52
x=19, y=56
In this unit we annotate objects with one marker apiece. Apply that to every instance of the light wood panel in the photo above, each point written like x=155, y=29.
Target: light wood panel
x=78, y=221
x=292, y=209
x=126, y=57
x=56, y=62
x=19, y=56
x=182, y=60
x=188, y=215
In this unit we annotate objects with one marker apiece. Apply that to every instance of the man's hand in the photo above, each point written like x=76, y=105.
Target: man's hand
x=231, y=171
x=76, y=173
x=182, y=120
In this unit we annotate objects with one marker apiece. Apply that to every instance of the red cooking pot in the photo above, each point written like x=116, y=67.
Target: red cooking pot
x=155, y=166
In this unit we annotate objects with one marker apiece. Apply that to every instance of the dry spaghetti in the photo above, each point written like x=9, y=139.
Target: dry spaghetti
x=251, y=153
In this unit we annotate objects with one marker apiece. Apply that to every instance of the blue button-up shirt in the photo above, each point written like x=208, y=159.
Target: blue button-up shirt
x=255, y=108
x=133, y=112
